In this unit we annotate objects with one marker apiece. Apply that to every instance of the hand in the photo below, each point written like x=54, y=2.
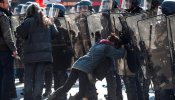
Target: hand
x=52, y=20
x=15, y=54
x=122, y=46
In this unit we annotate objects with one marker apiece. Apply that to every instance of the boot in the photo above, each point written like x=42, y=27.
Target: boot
x=47, y=93
x=51, y=96
x=72, y=98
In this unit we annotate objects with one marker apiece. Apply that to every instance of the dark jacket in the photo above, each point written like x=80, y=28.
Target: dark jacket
x=37, y=41
x=6, y=40
x=62, y=50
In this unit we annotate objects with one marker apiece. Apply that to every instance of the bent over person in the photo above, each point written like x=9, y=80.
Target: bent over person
x=36, y=31
x=88, y=64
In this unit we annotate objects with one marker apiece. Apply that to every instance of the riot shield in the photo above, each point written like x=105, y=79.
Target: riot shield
x=132, y=24
x=128, y=27
x=77, y=24
x=171, y=31
x=100, y=25
x=15, y=21
x=14, y=24
x=95, y=27
x=171, y=24
x=115, y=21
x=153, y=31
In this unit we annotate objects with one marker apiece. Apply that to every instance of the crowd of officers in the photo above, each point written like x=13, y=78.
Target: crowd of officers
x=46, y=50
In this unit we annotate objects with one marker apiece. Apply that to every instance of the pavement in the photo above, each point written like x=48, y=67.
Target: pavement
x=100, y=85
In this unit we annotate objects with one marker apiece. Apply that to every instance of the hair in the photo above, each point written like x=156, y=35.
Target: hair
x=113, y=38
x=35, y=11
x=1, y=1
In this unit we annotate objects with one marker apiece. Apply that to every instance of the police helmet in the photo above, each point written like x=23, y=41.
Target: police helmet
x=84, y=5
x=55, y=10
x=130, y=4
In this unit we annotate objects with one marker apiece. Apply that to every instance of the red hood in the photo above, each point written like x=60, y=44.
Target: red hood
x=105, y=41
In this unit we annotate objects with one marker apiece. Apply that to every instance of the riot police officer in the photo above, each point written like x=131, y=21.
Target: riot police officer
x=151, y=8
x=61, y=50
x=166, y=91
x=131, y=64
x=114, y=87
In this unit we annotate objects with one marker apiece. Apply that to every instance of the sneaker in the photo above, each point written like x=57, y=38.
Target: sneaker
x=47, y=93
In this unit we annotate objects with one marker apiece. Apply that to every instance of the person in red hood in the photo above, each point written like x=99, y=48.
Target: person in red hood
x=105, y=49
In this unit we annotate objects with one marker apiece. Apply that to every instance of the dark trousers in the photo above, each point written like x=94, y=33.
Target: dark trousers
x=142, y=86
x=145, y=88
x=34, y=80
x=111, y=85
x=118, y=87
x=7, y=84
x=60, y=77
x=20, y=74
x=91, y=94
x=48, y=78
x=167, y=94
x=114, y=86
x=131, y=87
x=83, y=84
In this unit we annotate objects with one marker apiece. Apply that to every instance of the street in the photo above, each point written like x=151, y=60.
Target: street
x=100, y=85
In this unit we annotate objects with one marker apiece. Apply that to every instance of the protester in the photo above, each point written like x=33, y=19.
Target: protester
x=87, y=64
x=36, y=30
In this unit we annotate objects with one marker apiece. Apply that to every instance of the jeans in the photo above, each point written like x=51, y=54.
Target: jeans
x=7, y=84
x=34, y=80
x=83, y=84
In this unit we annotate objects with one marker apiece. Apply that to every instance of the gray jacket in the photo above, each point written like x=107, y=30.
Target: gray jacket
x=96, y=55
x=6, y=40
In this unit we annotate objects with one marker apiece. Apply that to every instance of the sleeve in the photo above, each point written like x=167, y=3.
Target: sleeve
x=68, y=39
x=112, y=52
x=54, y=31
x=7, y=33
x=23, y=29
